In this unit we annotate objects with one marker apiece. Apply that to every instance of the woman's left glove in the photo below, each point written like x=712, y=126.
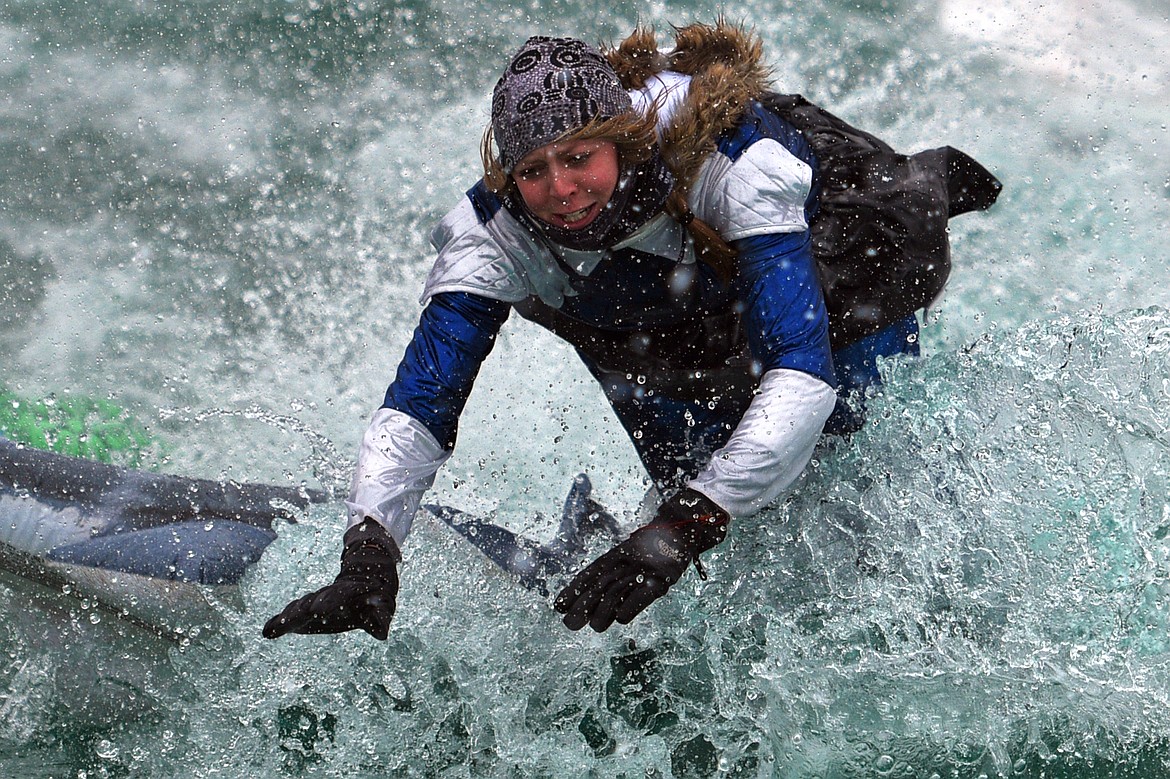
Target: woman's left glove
x=363, y=595
x=638, y=571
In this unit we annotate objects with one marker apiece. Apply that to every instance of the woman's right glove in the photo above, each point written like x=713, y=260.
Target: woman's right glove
x=362, y=596
x=621, y=583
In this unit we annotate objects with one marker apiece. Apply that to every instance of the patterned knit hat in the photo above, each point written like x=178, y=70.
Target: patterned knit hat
x=552, y=86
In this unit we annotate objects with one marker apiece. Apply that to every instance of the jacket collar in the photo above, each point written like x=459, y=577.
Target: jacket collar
x=726, y=70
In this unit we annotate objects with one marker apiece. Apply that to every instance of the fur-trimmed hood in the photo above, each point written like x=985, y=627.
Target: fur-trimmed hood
x=725, y=63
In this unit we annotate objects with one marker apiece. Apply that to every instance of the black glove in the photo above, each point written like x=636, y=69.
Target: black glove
x=638, y=571
x=362, y=596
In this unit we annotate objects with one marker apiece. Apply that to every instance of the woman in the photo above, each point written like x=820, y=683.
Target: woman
x=683, y=229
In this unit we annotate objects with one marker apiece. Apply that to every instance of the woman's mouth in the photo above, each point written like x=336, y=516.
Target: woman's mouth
x=573, y=217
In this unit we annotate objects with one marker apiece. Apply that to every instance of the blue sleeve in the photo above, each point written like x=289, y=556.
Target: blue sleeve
x=785, y=315
x=456, y=332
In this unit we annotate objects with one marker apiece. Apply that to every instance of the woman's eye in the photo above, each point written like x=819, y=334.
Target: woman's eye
x=528, y=173
x=578, y=159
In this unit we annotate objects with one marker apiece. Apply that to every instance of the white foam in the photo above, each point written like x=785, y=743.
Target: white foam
x=1080, y=41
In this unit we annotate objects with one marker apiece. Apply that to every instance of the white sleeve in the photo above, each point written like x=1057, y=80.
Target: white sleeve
x=396, y=464
x=771, y=445
x=762, y=191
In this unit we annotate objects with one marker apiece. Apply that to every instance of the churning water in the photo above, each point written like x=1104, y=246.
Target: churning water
x=216, y=213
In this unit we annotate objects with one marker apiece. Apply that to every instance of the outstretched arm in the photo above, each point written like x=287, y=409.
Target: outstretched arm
x=788, y=336
x=407, y=441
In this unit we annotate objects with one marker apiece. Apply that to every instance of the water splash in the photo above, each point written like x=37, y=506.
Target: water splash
x=974, y=584
x=327, y=466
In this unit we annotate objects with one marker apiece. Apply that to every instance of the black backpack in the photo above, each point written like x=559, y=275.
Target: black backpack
x=880, y=234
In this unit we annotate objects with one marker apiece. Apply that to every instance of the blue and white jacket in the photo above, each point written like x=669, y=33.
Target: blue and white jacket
x=757, y=190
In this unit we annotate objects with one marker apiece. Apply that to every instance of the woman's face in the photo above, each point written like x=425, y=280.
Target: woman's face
x=567, y=184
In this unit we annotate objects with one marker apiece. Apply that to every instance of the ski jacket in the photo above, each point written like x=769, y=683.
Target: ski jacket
x=757, y=190
x=809, y=203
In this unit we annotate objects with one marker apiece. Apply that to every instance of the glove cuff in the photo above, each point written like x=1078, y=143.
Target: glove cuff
x=695, y=517
x=369, y=539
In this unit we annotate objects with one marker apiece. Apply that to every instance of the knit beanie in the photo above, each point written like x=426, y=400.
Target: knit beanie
x=552, y=86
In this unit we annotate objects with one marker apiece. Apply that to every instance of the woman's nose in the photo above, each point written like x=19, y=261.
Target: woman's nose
x=560, y=183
